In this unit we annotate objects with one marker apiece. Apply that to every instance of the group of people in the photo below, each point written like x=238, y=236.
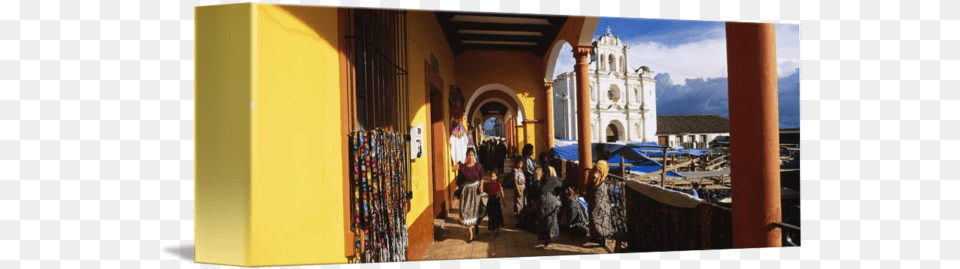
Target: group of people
x=493, y=153
x=543, y=201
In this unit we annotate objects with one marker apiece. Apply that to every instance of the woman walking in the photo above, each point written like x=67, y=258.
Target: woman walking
x=599, y=206
x=471, y=175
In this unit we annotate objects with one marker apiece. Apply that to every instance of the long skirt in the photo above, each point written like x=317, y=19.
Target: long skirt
x=527, y=219
x=548, y=225
x=600, y=214
x=518, y=198
x=577, y=215
x=494, y=212
x=469, y=204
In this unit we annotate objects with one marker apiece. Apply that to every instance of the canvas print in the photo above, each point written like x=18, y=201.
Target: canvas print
x=332, y=135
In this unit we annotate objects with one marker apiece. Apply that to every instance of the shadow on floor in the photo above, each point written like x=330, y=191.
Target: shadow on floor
x=185, y=252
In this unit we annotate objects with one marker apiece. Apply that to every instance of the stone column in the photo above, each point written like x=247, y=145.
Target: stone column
x=548, y=91
x=582, y=56
x=752, y=61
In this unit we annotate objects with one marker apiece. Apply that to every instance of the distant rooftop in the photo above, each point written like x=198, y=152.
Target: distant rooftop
x=691, y=124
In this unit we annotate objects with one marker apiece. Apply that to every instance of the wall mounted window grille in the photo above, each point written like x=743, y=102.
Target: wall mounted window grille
x=379, y=117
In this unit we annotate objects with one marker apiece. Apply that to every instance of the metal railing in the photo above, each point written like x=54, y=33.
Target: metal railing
x=791, y=233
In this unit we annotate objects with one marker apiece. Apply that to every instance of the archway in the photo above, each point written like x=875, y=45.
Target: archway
x=508, y=107
x=613, y=134
x=494, y=127
x=493, y=112
x=499, y=92
x=515, y=115
x=560, y=60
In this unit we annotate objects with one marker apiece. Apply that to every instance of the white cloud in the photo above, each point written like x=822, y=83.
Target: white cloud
x=788, y=41
x=786, y=67
x=706, y=58
x=701, y=59
x=788, y=49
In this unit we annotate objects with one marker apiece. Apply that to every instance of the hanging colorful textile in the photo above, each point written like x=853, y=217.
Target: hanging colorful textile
x=456, y=104
x=458, y=144
x=459, y=140
x=379, y=196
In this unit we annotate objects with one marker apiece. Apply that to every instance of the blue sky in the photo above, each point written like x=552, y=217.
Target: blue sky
x=688, y=59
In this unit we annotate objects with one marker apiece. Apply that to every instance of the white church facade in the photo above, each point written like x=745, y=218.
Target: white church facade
x=623, y=105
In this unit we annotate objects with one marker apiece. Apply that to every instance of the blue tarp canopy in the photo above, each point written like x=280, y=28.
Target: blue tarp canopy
x=569, y=152
x=630, y=154
x=654, y=151
x=638, y=161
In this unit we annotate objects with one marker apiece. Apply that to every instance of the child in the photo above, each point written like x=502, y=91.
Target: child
x=520, y=184
x=494, y=203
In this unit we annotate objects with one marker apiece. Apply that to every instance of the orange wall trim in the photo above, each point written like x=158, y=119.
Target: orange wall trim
x=421, y=236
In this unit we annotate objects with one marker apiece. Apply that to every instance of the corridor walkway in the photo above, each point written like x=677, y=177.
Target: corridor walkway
x=511, y=242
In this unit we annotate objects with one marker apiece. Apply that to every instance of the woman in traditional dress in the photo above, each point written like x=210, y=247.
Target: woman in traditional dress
x=596, y=193
x=547, y=222
x=576, y=220
x=471, y=174
x=544, y=161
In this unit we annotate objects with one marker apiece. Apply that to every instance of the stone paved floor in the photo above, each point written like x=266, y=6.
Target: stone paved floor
x=511, y=242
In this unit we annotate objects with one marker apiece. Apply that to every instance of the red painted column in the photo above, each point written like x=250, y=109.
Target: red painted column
x=755, y=171
x=582, y=56
x=548, y=91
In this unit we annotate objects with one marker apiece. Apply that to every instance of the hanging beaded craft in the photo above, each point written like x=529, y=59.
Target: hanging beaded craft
x=379, y=196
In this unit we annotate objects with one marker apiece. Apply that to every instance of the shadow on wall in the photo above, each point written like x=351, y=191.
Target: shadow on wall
x=307, y=15
x=185, y=252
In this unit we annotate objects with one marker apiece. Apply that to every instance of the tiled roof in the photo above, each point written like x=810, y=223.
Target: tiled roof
x=683, y=124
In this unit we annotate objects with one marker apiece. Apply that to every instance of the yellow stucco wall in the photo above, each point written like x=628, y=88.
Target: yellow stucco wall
x=298, y=184
x=520, y=71
x=268, y=108
x=223, y=92
x=424, y=38
x=293, y=196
